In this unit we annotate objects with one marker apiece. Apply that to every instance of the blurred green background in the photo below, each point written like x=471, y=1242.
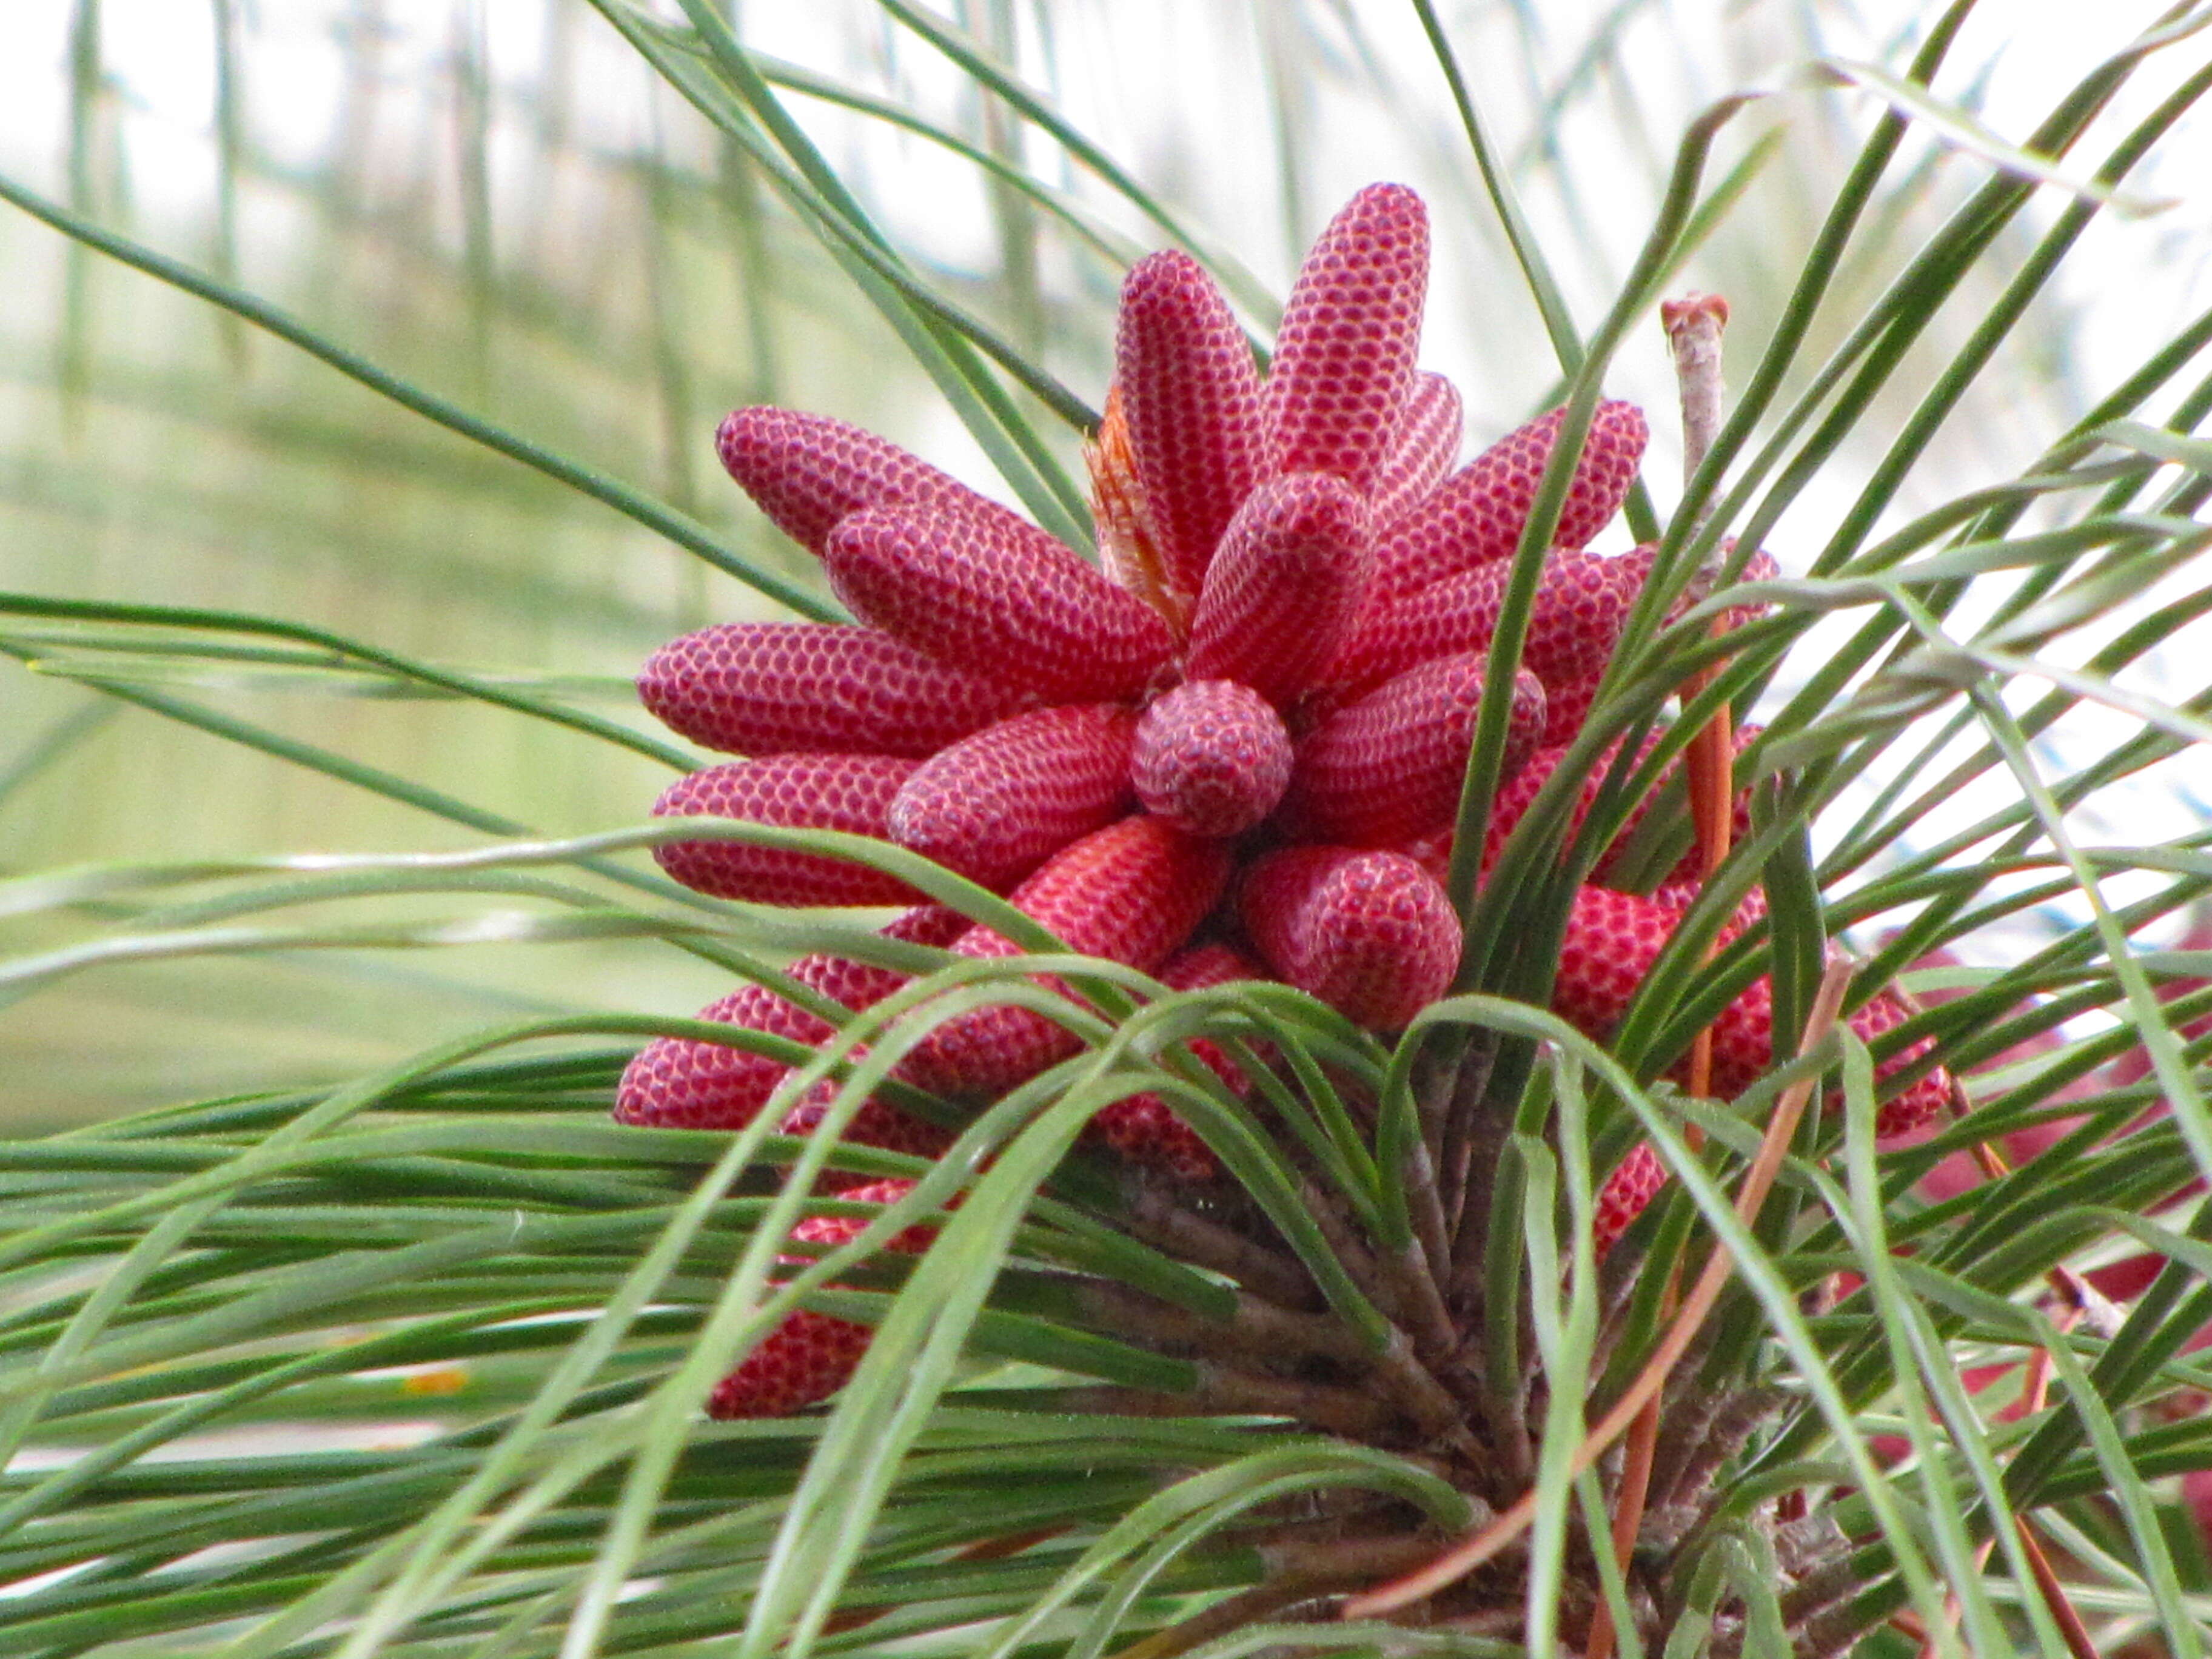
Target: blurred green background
x=495, y=199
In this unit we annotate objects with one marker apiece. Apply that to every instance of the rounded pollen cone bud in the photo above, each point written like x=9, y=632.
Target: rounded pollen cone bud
x=1211, y=758
x=809, y=1356
x=1421, y=451
x=1350, y=330
x=850, y=793
x=1143, y=1128
x=1582, y=600
x=678, y=1083
x=807, y=471
x=1000, y=595
x=773, y=687
x=1389, y=767
x=1130, y=893
x=993, y=806
x=1634, y=1183
x=1190, y=395
x=1283, y=588
x=1369, y=933
x=1476, y=515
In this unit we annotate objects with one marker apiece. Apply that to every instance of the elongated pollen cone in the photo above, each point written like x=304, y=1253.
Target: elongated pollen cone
x=1421, y=451
x=1582, y=600
x=807, y=471
x=848, y=792
x=1130, y=893
x=1284, y=587
x=1190, y=395
x=1476, y=515
x=681, y=1083
x=1143, y=1128
x=773, y=687
x=1634, y=1183
x=1352, y=328
x=809, y=1356
x=999, y=596
x=994, y=805
x=1390, y=766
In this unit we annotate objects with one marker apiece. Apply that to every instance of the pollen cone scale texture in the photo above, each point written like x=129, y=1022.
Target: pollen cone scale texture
x=809, y=1356
x=1246, y=725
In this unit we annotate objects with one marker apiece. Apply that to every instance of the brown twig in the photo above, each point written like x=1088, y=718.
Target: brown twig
x=1356, y=1413
x=1464, y=1558
x=1333, y=1568
x=1425, y=1205
x=2079, y=1642
x=1694, y=326
x=1256, y=1332
x=1361, y=1264
x=1156, y=1218
x=1464, y=1109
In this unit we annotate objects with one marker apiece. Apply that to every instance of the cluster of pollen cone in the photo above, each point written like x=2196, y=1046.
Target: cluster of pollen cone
x=1231, y=749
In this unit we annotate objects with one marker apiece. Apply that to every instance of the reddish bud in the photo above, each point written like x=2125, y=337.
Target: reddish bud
x=1211, y=758
x=848, y=792
x=994, y=593
x=995, y=804
x=1283, y=588
x=1370, y=933
x=1344, y=354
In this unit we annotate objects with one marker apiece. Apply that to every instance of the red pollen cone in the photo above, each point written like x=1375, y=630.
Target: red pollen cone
x=1143, y=1128
x=1211, y=758
x=1389, y=767
x=998, y=594
x=809, y=1356
x=1476, y=515
x=1283, y=588
x=1370, y=933
x=679, y=1083
x=773, y=687
x=1190, y=395
x=993, y=806
x=849, y=793
x=1130, y=893
x=1634, y=1183
x=1581, y=602
x=878, y=1123
x=807, y=471
x=1344, y=354
x=1421, y=451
